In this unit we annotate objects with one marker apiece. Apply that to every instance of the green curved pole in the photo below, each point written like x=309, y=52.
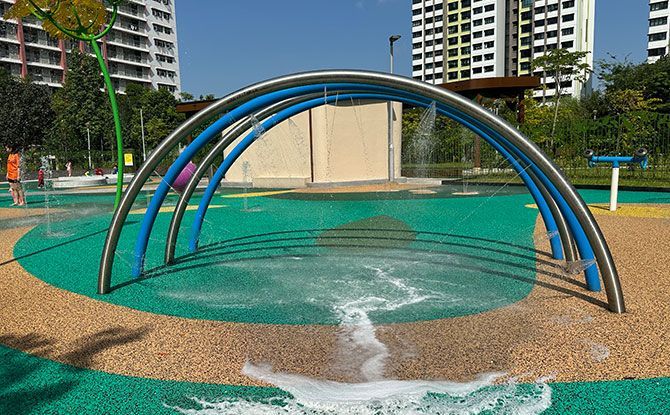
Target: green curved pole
x=117, y=120
x=92, y=39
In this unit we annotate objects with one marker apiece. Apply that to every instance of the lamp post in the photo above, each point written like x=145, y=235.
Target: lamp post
x=391, y=163
x=88, y=137
x=144, y=149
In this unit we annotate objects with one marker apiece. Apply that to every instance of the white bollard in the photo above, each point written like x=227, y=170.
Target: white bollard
x=614, y=189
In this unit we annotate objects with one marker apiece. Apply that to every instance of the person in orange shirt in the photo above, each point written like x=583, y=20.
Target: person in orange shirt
x=14, y=176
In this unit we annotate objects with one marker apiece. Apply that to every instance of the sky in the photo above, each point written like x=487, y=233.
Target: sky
x=225, y=45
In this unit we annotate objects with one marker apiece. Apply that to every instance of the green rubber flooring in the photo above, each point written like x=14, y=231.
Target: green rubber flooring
x=287, y=260
x=30, y=386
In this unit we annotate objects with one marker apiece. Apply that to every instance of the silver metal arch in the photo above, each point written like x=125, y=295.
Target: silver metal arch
x=528, y=148
x=565, y=234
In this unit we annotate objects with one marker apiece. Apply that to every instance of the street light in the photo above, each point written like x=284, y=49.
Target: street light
x=144, y=148
x=88, y=138
x=391, y=163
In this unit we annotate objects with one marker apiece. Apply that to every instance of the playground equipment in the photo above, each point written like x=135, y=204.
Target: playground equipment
x=182, y=180
x=640, y=157
x=562, y=209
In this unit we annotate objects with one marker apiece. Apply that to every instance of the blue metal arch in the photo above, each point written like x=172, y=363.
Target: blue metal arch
x=278, y=95
x=196, y=228
x=582, y=243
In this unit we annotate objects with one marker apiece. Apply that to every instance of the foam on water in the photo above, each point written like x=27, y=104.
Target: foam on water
x=316, y=397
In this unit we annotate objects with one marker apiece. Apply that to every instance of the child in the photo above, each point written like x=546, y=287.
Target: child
x=40, y=178
x=13, y=176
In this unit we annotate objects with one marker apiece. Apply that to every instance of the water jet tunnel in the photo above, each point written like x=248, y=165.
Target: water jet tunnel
x=264, y=105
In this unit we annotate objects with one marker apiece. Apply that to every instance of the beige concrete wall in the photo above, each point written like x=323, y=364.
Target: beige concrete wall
x=349, y=144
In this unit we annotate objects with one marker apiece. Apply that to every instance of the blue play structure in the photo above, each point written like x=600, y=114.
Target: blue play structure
x=271, y=102
x=641, y=158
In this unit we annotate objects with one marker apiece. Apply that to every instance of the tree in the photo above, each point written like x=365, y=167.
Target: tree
x=185, y=97
x=84, y=20
x=79, y=105
x=563, y=66
x=652, y=80
x=156, y=108
x=25, y=112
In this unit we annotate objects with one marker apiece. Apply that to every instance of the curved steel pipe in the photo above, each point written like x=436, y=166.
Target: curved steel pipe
x=591, y=272
x=561, y=185
x=531, y=182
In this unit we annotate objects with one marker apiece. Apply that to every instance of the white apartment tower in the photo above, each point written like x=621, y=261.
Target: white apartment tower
x=456, y=40
x=659, y=30
x=141, y=48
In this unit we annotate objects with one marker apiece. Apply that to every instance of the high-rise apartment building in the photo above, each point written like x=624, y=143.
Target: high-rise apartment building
x=141, y=48
x=456, y=40
x=659, y=30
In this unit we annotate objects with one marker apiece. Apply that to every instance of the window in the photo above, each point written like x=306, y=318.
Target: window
x=452, y=64
x=658, y=36
x=453, y=75
x=452, y=29
x=538, y=49
x=430, y=43
x=539, y=23
x=488, y=68
x=429, y=54
x=538, y=36
x=452, y=52
x=168, y=59
x=527, y=28
x=488, y=57
x=465, y=62
x=525, y=41
x=656, y=52
x=553, y=20
x=570, y=3
x=552, y=7
x=416, y=56
x=465, y=15
x=476, y=70
x=465, y=74
x=525, y=66
x=568, y=17
x=552, y=33
x=658, y=6
x=488, y=32
x=477, y=10
x=526, y=15
x=489, y=8
x=162, y=29
x=567, y=45
x=477, y=22
x=452, y=6
x=488, y=45
x=538, y=10
x=477, y=35
x=465, y=50
x=465, y=39
x=658, y=21
x=416, y=45
x=477, y=58
x=465, y=27
x=525, y=53
x=452, y=41
x=489, y=20
x=452, y=18
x=478, y=46
x=568, y=31
x=429, y=20
x=416, y=35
